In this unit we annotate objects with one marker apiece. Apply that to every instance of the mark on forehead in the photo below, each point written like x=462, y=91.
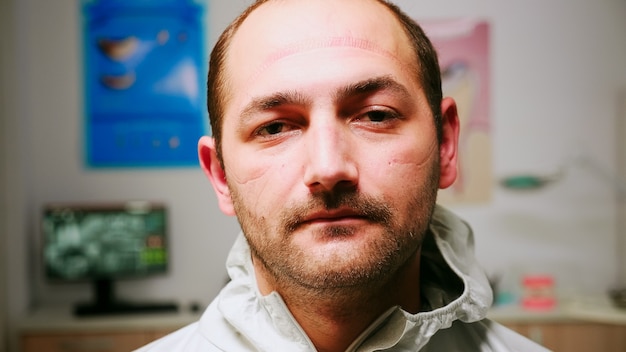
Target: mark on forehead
x=321, y=43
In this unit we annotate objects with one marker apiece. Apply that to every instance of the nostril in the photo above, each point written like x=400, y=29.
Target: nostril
x=341, y=185
x=346, y=181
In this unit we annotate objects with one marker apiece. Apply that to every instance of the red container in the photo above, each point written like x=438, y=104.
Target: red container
x=538, y=292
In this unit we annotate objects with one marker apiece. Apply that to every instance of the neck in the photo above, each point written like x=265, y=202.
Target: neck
x=333, y=319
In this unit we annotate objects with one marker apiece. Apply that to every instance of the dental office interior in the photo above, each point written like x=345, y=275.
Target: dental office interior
x=549, y=220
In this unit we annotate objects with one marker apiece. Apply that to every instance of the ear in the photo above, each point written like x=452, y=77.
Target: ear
x=448, y=149
x=215, y=173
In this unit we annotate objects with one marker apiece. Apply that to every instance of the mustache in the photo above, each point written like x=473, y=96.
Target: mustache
x=368, y=207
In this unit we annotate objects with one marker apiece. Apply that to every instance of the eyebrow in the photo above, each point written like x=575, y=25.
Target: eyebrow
x=364, y=87
x=372, y=85
x=273, y=101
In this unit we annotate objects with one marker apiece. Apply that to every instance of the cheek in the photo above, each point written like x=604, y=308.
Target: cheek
x=242, y=173
x=403, y=174
x=263, y=183
x=408, y=161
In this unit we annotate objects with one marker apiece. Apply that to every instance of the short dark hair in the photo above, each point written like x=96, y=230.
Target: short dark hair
x=428, y=71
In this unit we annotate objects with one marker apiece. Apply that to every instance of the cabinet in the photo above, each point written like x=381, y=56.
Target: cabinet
x=53, y=330
x=571, y=336
x=83, y=342
x=578, y=324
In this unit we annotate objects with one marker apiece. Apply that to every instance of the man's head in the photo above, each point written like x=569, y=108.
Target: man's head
x=426, y=67
x=330, y=155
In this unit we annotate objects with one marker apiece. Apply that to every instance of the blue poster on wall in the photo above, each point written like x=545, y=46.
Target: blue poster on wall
x=144, y=73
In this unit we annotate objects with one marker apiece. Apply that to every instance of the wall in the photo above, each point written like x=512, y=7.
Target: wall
x=7, y=160
x=557, y=73
x=557, y=68
x=48, y=98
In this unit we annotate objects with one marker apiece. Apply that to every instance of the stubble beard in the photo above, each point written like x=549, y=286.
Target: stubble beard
x=371, y=266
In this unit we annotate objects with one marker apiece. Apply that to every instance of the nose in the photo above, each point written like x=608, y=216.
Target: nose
x=330, y=157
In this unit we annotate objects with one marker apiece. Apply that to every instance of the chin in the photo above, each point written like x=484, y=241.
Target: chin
x=341, y=263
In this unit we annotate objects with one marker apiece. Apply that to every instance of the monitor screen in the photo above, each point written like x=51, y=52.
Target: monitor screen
x=95, y=242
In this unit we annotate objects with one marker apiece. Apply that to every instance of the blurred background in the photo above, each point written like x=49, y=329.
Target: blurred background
x=557, y=92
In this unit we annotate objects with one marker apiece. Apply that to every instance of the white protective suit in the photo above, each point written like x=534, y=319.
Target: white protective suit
x=455, y=296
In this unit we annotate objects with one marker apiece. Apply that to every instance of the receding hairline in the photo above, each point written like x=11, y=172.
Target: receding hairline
x=413, y=62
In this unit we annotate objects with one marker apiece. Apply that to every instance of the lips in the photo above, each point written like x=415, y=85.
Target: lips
x=336, y=209
x=333, y=216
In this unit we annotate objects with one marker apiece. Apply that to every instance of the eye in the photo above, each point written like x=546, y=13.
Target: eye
x=271, y=129
x=274, y=129
x=378, y=115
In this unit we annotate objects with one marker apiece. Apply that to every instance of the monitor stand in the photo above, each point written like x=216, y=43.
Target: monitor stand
x=105, y=303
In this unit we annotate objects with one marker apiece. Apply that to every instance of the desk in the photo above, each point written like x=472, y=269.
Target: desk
x=580, y=324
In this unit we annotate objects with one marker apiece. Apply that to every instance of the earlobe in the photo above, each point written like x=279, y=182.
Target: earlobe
x=215, y=173
x=448, y=148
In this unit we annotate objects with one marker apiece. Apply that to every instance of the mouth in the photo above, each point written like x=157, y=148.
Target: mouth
x=334, y=217
x=339, y=212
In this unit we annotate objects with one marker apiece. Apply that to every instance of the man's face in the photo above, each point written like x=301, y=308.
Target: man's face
x=330, y=153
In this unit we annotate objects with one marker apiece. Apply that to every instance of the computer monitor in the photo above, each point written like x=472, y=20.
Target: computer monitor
x=102, y=243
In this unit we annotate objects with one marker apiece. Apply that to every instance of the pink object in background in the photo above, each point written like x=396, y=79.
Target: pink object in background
x=538, y=292
x=463, y=50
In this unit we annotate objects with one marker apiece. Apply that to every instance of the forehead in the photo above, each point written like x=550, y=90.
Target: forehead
x=278, y=29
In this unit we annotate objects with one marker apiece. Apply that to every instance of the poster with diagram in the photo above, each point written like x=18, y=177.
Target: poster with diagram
x=144, y=72
x=463, y=49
